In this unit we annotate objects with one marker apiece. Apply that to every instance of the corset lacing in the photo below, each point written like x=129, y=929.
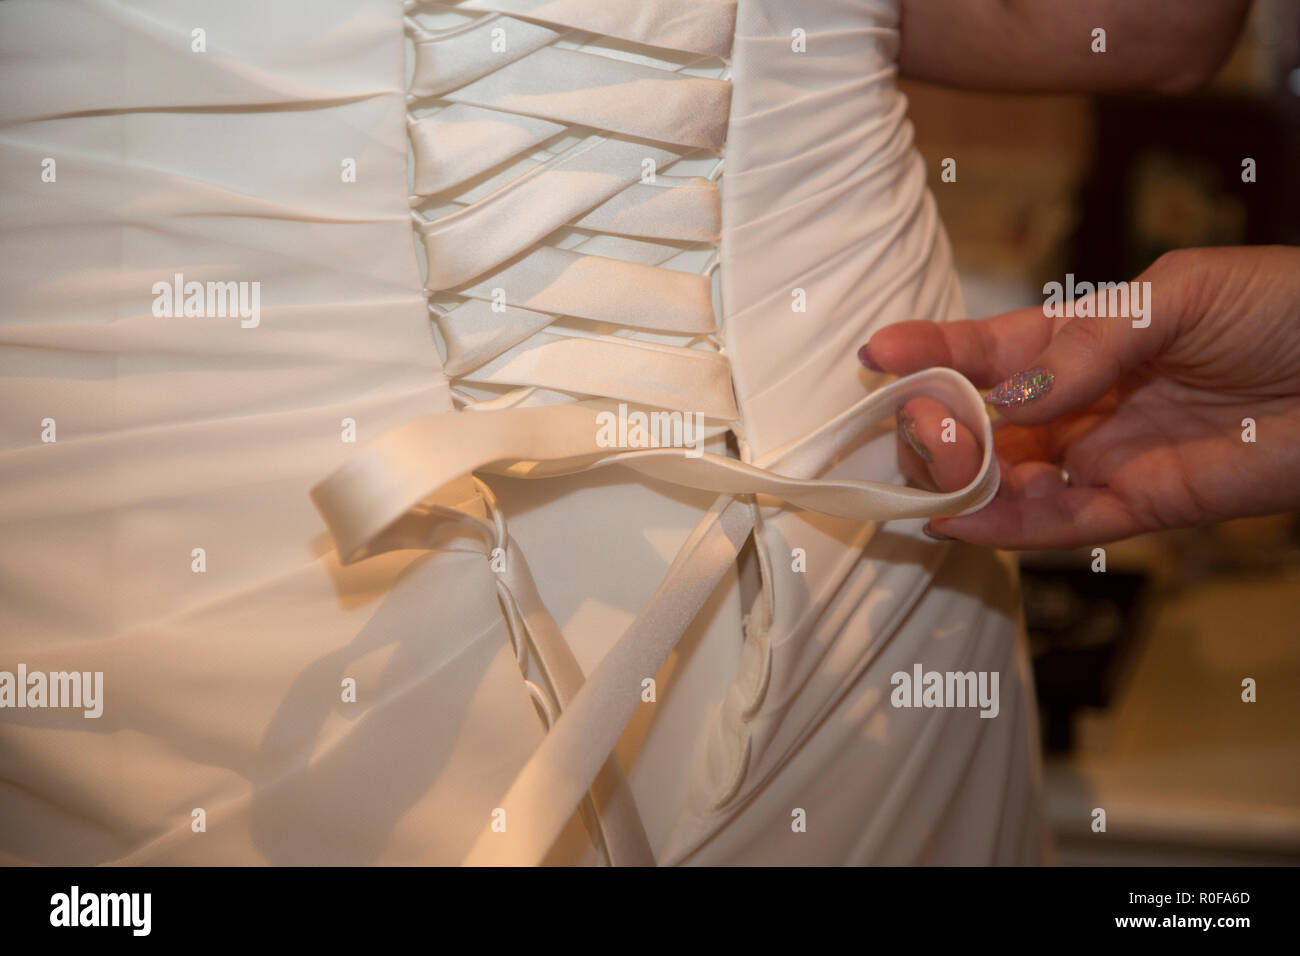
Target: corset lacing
x=567, y=274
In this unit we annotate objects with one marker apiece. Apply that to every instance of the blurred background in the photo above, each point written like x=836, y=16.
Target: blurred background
x=1140, y=669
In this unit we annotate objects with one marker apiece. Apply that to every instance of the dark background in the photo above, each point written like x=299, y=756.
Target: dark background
x=1139, y=670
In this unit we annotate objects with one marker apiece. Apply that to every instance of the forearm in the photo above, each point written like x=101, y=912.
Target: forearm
x=1046, y=46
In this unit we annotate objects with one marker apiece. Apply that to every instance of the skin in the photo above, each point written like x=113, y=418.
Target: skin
x=1147, y=421
x=1045, y=46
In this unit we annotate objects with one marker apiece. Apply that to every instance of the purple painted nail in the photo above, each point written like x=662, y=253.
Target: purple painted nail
x=1022, y=387
x=866, y=360
x=931, y=533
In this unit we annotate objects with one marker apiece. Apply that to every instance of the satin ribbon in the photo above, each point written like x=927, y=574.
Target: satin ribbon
x=610, y=810
x=365, y=501
x=593, y=366
x=700, y=26
x=444, y=61
x=565, y=282
x=461, y=245
x=613, y=805
x=584, y=89
x=500, y=107
x=468, y=141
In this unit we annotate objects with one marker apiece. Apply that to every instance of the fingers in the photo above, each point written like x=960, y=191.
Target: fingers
x=1113, y=331
x=1047, y=370
x=1023, y=443
x=1034, y=509
x=1040, y=363
x=1034, y=479
x=935, y=450
x=985, y=350
x=1083, y=363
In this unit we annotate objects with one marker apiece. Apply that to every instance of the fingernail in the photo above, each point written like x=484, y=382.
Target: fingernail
x=866, y=360
x=1022, y=387
x=931, y=533
x=907, y=428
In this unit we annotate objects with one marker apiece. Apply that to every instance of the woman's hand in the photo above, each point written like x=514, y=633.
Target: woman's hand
x=1147, y=425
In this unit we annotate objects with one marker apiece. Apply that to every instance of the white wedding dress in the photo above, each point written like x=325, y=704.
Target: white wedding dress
x=475, y=228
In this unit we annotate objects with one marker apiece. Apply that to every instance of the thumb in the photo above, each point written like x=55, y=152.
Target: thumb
x=1116, y=327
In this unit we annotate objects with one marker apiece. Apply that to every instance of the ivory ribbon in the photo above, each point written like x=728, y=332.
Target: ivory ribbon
x=701, y=26
x=460, y=245
x=447, y=60
x=613, y=804
x=365, y=501
x=564, y=282
x=468, y=141
x=616, y=96
x=599, y=367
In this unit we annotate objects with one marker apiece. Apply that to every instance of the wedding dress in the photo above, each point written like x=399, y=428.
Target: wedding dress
x=478, y=233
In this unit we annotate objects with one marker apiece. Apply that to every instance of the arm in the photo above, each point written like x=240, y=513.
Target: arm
x=1045, y=46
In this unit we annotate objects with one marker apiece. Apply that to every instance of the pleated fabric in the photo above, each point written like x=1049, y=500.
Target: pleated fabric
x=690, y=208
x=224, y=687
x=824, y=193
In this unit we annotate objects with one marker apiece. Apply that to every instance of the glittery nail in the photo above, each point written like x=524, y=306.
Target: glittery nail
x=1022, y=387
x=907, y=428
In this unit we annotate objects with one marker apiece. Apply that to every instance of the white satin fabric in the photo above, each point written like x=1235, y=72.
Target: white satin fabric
x=562, y=280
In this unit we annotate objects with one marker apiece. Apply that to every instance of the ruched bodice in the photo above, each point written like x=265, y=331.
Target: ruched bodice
x=612, y=209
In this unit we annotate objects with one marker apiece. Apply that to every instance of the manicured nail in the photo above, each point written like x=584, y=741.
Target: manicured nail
x=907, y=428
x=931, y=533
x=1022, y=387
x=866, y=360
